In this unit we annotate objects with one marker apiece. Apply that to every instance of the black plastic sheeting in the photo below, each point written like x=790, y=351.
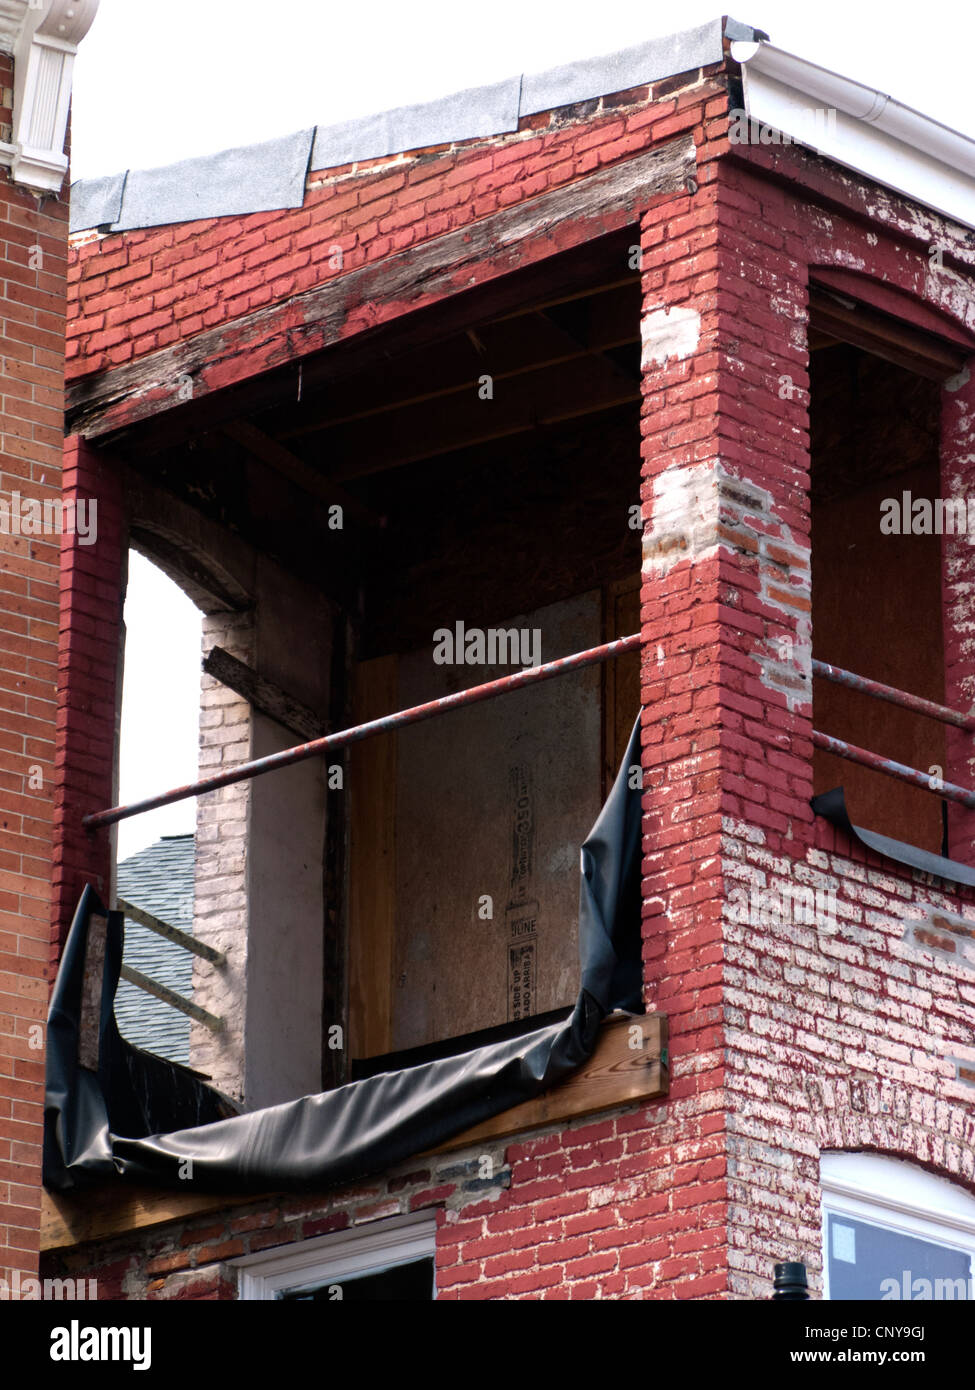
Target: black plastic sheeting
x=832, y=805
x=140, y=1118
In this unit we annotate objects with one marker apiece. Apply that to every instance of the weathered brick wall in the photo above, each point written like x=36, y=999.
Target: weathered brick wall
x=135, y=292
x=89, y=655
x=785, y=1038
x=632, y=1203
x=220, y=887
x=33, y=260
x=853, y=1032
x=588, y=1212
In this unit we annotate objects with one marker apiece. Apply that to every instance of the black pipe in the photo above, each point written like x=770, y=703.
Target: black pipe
x=790, y=1282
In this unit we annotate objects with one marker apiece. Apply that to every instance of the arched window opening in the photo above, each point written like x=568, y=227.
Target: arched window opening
x=892, y=1231
x=155, y=853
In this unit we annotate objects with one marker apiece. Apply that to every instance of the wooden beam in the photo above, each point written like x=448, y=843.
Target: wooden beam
x=89, y=1029
x=170, y=997
x=884, y=336
x=587, y=344
x=507, y=349
x=264, y=696
x=565, y=392
x=363, y=299
x=173, y=934
x=617, y=1074
x=630, y=1064
x=372, y=862
x=280, y=458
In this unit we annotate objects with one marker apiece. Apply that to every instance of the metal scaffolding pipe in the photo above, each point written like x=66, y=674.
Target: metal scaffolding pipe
x=916, y=703
x=853, y=754
x=331, y=742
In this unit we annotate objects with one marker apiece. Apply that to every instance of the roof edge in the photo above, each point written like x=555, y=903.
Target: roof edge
x=480, y=113
x=859, y=127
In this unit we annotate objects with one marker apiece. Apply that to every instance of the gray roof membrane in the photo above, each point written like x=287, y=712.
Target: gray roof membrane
x=252, y=178
x=462, y=116
x=95, y=202
x=265, y=177
x=160, y=880
x=617, y=72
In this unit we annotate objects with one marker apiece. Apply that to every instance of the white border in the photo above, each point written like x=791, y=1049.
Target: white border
x=897, y=1196
x=332, y=1258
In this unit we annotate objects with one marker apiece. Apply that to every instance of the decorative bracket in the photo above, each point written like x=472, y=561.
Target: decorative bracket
x=44, y=53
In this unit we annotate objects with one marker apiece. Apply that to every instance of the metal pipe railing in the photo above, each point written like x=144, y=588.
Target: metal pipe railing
x=915, y=703
x=331, y=742
x=853, y=754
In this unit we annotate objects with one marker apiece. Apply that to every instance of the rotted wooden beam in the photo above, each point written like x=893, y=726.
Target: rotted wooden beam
x=263, y=695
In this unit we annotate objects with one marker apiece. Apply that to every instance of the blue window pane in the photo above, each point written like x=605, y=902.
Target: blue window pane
x=872, y=1262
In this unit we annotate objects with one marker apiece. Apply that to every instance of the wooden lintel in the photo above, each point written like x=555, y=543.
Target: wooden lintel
x=884, y=336
x=629, y=1066
x=264, y=695
x=350, y=304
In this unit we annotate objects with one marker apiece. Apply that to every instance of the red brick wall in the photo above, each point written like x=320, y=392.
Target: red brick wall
x=135, y=292
x=90, y=633
x=33, y=258
x=785, y=1039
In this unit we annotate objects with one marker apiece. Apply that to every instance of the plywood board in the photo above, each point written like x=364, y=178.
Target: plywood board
x=372, y=863
x=493, y=803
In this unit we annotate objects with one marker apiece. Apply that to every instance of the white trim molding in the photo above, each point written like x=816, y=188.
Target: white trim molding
x=899, y=1196
x=44, y=52
x=343, y=1255
x=865, y=131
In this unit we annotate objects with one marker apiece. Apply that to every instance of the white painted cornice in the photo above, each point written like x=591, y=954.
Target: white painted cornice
x=867, y=130
x=44, y=43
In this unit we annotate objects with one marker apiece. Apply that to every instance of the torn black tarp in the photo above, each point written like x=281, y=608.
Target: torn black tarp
x=832, y=805
x=149, y=1121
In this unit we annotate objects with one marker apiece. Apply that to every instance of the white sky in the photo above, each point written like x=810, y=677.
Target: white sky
x=159, y=82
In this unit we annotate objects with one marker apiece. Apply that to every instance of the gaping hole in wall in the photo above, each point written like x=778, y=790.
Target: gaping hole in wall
x=876, y=596
x=154, y=876
x=391, y=509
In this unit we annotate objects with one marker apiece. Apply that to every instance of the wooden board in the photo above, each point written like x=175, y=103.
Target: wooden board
x=489, y=803
x=621, y=676
x=372, y=863
x=617, y=1074
x=629, y=1064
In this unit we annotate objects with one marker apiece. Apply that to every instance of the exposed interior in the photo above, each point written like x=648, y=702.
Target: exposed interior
x=425, y=886
x=876, y=598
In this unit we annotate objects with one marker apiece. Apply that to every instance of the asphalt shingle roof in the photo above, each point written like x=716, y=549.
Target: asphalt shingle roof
x=158, y=879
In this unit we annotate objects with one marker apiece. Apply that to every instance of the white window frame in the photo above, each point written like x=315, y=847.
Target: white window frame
x=897, y=1195
x=343, y=1255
